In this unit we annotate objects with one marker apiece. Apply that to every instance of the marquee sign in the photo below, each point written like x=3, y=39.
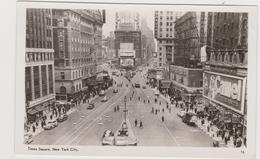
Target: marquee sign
x=226, y=90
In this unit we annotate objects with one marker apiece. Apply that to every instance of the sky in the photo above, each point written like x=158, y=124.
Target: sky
x=110, y=20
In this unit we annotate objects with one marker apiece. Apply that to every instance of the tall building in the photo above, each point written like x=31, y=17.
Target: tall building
x=190, y=36
x=186, y=71
x=128, y=39
x=78, y=50
x=39, y=63
x=164, y=34
x=148, y=44
x=225, y=73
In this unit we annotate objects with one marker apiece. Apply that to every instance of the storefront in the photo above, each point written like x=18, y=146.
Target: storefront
x=226, y=94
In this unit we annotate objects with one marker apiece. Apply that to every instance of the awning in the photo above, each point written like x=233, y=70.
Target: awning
x=165, y=84
x=32, y=111
x=39, y=108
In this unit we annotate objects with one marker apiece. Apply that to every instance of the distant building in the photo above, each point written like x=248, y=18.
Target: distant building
x=225, y=72
x=127, y=32
x=148, y=44
x=78, y=50
x=186, y=71
x=39, y=64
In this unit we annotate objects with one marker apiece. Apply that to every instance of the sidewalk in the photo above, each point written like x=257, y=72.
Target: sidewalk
x=212, y=131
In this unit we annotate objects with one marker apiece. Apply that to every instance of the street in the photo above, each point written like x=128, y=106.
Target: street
x=86, y=127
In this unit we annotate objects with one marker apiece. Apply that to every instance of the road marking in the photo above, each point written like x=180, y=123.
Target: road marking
x=174, y=139
x=92, y=123
x=83, y=122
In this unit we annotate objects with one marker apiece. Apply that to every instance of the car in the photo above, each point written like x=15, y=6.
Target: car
x=104, y=99
x=115, y=90
x=190, y=119
x=181, y=113
x=50, y=125
x=108, y=138
x=102, y=93
x=28, y=138
x=125, y=140
x=91, y=106
x=119, y=85
x=113, y=73
x=144, y=87
x=62, y=117
x=137, y=85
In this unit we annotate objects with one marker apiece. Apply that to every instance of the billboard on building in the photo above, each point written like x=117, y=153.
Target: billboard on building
x=126, y=62
x=226, y=90
x=127, y=46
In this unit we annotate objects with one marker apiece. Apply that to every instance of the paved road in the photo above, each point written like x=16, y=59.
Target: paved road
x=85, y=127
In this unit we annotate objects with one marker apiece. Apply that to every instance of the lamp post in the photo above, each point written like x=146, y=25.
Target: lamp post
x=125, y=110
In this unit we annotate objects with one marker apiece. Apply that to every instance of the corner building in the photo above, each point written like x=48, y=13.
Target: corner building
x=77, y=41
x=39, y=64
x=225, y=73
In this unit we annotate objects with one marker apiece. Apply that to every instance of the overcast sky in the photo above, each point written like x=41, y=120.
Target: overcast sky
x=110, y=20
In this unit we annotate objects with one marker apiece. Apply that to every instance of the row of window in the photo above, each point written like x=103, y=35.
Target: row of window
x=38, y=56
x=38, y=43
x=230, y=43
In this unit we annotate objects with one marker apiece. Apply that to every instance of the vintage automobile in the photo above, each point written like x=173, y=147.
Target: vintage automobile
x=115, y=90
x=91, y=106
x=50, y=125
x=28, y=138
x=190, y=119
x=137, y=85
x=144, y=87
x=104, y=99
x=102, y=93
x=62, y=117
x=181, y=113
x=108, y=138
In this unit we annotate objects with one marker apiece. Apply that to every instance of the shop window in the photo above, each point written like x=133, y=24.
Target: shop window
x=63, y=90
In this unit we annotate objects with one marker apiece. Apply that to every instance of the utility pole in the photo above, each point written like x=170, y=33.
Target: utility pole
x=125, y=110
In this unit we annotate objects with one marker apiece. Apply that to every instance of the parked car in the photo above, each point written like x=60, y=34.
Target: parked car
x=62, y=117
x=91, y=106
x=28, y=138
x=137, y=85
x=102, y=93
x=115, y=90
x=50, y=125
x=190, y=119
x=181, y=113
x=104, y=99
x=108, y=138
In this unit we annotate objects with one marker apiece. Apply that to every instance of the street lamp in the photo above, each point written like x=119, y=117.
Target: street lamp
x=125, y=110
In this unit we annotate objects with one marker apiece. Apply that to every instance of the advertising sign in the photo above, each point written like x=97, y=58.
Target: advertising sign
x=127, y=62
x=126, y=46
x=226, y=90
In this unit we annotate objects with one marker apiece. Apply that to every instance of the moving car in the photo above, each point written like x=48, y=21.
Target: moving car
x=104, y=99
x=144, y=87
x=50, y=125
x=102, y=93
x=181, y=113
x=108, y=138
x=28, y=138
x=137, y=85
x=91, y=106
x=62, y=117
x=115, y=90
x=190, y=119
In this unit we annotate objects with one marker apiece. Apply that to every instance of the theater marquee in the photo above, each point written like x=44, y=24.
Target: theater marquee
x=226, y=90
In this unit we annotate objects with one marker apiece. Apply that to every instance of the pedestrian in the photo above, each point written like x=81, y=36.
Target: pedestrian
x=117, y=107
x=36, y=124
x=163, y=110
x=141, y=124
x=155, y=111
x=33, y=127
x=152, y=110
x=167, y=106
x=42, y=124
x=148, y=101
x=114, y=109
x=162, y=118
x=136, y=122
x=160, y=103
x=170, y=110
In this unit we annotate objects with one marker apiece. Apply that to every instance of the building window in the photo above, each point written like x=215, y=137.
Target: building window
x=62, y=75
x=36, y=81
x=44, y=81
x=28, y=84
x=63, y=90
x=50, y=73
